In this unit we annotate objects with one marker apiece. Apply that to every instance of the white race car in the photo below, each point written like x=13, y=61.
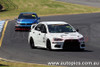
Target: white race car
x=55, y=35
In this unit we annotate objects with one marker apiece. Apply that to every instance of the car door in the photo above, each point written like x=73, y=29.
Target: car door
x=42, y=36
x=37, y=33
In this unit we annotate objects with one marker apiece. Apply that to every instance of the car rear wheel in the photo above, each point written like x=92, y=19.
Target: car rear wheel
x=32, y=43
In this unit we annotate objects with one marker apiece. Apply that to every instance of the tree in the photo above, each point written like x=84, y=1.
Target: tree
x=1, y=7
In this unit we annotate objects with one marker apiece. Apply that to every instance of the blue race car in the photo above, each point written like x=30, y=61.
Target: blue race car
x=25, y=20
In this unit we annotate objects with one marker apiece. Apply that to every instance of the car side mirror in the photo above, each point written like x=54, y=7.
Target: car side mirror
x=77, y=30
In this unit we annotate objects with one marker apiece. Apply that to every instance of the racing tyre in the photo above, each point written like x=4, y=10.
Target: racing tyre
x=49, y=45
x=32, y=44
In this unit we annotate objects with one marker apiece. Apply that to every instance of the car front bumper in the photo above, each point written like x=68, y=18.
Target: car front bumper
x=68, y=45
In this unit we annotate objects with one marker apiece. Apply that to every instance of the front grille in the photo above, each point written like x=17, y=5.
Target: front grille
x=26, y=24
x=71, y=44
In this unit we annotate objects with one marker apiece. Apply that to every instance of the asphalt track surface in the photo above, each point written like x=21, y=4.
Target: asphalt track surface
x=16, y=47
x=94, y=3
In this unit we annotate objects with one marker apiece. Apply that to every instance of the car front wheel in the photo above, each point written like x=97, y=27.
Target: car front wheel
x=32, y=43
x=49, y=45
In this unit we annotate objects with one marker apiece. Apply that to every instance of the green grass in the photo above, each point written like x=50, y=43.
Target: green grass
x=17, y=64
x=42, y=7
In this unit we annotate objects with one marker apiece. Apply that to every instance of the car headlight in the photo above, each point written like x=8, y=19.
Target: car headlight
x=57, y=39
x=82, y=39
x=17, y=24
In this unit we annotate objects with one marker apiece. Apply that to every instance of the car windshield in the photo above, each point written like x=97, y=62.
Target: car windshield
x=27, y=16
x=60, y=28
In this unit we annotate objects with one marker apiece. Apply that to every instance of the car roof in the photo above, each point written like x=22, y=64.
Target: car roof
x=27, y=13
x=53, y=22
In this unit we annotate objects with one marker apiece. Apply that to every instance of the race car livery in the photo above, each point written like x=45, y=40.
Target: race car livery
x=55, y=35
x=25, y=20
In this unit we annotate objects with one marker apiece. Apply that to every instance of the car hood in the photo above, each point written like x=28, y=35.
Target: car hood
x=72, y=35
x=26, y=20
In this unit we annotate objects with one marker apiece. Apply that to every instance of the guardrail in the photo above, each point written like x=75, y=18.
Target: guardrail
x=1, y=25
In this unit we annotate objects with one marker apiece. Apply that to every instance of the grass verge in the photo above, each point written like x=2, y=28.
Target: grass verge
x=17, y=64
x=42, y=7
